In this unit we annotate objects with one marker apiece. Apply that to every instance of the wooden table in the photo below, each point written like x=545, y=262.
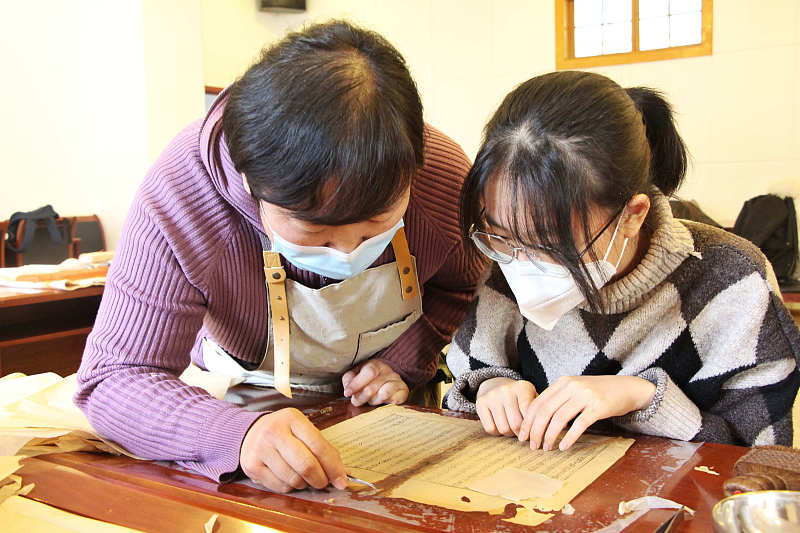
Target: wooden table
x=45, y=330
x=157, y=497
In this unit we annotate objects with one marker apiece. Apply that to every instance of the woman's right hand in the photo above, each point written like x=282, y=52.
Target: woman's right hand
x=284, y=451
x=501, y=404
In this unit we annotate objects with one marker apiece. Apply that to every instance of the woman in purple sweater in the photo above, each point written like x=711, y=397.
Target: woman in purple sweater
x=316, y=173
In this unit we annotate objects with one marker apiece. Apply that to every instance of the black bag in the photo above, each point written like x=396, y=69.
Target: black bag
x=770, y=222
x=31, y=219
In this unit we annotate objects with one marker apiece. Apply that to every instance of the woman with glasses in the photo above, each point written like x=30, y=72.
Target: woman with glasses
x=600, y=304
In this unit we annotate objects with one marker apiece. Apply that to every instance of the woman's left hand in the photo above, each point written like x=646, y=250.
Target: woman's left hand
x=374, y=382
x=587, y=399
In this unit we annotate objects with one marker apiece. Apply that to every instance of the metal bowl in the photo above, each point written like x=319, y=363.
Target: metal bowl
x=764, y=511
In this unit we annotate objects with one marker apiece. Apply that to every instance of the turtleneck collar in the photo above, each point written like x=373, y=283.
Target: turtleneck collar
x=217, y=161
x=670, y=244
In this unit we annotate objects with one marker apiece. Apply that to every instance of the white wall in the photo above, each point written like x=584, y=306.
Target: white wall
x=465, y=55
x=738, y=110
x=91, y=90
x=173, y=58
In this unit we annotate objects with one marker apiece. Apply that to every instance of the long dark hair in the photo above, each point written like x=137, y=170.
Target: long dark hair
x=562, y=142
x=327, y=123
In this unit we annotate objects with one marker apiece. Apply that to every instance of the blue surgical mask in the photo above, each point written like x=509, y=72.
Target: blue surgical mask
x=333, y=263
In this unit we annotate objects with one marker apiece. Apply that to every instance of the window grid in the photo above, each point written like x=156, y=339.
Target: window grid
x=565, y=40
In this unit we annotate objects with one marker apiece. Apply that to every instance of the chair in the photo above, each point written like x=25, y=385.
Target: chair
x=87, y=234
x=42, y=249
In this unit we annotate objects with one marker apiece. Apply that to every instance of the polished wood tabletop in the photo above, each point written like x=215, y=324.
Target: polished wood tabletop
x=160, y=497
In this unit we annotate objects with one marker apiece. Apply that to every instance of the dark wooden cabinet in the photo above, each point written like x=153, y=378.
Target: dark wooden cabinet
x=45, y=331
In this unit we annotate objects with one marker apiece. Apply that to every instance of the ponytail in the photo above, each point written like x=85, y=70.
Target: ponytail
x=668, y=153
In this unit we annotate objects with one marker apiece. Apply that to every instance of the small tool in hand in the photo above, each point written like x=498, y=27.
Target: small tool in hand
x=353, y=479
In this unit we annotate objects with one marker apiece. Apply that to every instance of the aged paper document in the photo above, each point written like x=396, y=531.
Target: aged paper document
x=453, y=463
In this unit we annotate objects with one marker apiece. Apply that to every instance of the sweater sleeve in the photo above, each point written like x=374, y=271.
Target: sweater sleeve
x=128, y=379
x=484, y=347
x=671, y=413
x=744, y=390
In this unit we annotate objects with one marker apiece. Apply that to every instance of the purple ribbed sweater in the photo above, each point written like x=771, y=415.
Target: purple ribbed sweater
x=188, y=265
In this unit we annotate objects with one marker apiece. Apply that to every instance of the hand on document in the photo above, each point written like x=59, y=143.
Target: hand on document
x=512, y=407
x=284, y=451
x=587, y=399
x=501, y=404
x=374, y=382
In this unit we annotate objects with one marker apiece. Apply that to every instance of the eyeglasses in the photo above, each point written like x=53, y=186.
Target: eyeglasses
x=501, y=250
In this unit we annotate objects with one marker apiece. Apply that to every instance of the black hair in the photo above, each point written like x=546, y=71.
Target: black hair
x=562, y=142
x=327, y=123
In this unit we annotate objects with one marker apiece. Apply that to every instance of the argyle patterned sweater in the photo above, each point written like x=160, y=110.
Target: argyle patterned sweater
x=700, y=317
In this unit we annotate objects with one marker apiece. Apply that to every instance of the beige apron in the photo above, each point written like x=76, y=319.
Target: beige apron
x=316, y=335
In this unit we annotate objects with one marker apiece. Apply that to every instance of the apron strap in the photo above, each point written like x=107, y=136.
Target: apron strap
x=402, y=256
x=275, y=275
x=276, y=287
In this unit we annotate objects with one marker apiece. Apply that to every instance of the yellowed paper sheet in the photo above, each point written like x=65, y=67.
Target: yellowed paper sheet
x=70, y=274
x=8, y=465
x=517, y=484
x=17, y=386
x=12, y=486
x=435, y=459
x=21, y=515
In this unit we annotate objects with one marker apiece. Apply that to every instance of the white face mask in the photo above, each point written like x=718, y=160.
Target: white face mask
x=548, y=292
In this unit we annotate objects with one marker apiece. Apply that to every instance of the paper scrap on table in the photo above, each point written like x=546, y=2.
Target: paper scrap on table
x=650, y=502
x=707, y=470
x=437, y=460
x=209, y=525
x=11, y=484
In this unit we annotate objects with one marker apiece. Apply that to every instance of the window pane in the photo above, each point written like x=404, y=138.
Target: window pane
x=617, y=38
x=649, y=9
x=685, y=6
x=685, y=29
x=616, y=11
x=588, y=41
x=588, y=13
x=654, y=33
